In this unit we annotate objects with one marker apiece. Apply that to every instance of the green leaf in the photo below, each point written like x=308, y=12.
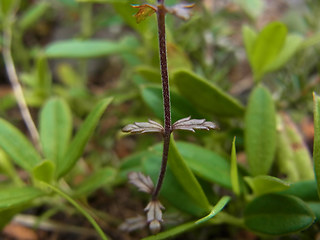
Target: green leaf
x=185, y=176
x=78, y=143
x=266, y=48
x=181, y=108
x=291, y=45
x=306, y=190
x=264, y=184
x=213, y=100
x=44, y=171
x=234, y=169
x=316, y=143
x=275, y=214
x=87, y=48
x=171, y=189
x=98, y=179
x=16, y=196
x=249, y=37
x=315, y=207
x=206, y=164
x=15, y=144
x=55, y=129
x=149, y=73
x=260, y=131
x=172, y=232
x=216, y=209
x=32, y=15
x=7, y=167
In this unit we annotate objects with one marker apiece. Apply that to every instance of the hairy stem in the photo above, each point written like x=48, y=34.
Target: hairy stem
x=165, y=93
x=17, y=88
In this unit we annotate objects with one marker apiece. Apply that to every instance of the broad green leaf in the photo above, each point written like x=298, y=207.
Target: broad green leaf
x=206, y=164
x=306, y=190
x=17, y=147
x=171, y=189
x=44, y=171
x=316, y=142
x=185, y=176
x=291, y=45
x=315, y=207
x=249, y=37
x=264, y=184
x=260, y=131
x=32, y=15
x=274, y=214
x=252, y=7
x=98, y=179
x=216, y=209
x=16, y=196
x=213, y=100
x=7, y=167
x=181, y=108
x=266, y=48
x=172, y=232
x=78, y=143
x=55, y=129
x=234, y=169
x=87, y=48
x=149, y=73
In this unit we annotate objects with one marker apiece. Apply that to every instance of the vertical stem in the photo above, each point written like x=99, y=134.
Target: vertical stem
x=17, y=88
x=165, y=93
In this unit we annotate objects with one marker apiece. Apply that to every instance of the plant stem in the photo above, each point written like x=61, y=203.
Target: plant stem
x=17, y=88
x=165, y=93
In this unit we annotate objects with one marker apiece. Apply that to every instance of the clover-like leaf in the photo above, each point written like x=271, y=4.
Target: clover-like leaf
x=142, y=182
x=181, y=10
x=145, y=10
x=193, y=124
x=143, y=127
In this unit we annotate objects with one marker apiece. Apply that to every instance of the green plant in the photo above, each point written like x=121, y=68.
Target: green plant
x=266, y=185
x=270, y=203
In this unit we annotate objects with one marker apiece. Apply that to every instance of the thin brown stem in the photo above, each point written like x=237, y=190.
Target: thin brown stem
x=165, y=93
x=17, y=89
